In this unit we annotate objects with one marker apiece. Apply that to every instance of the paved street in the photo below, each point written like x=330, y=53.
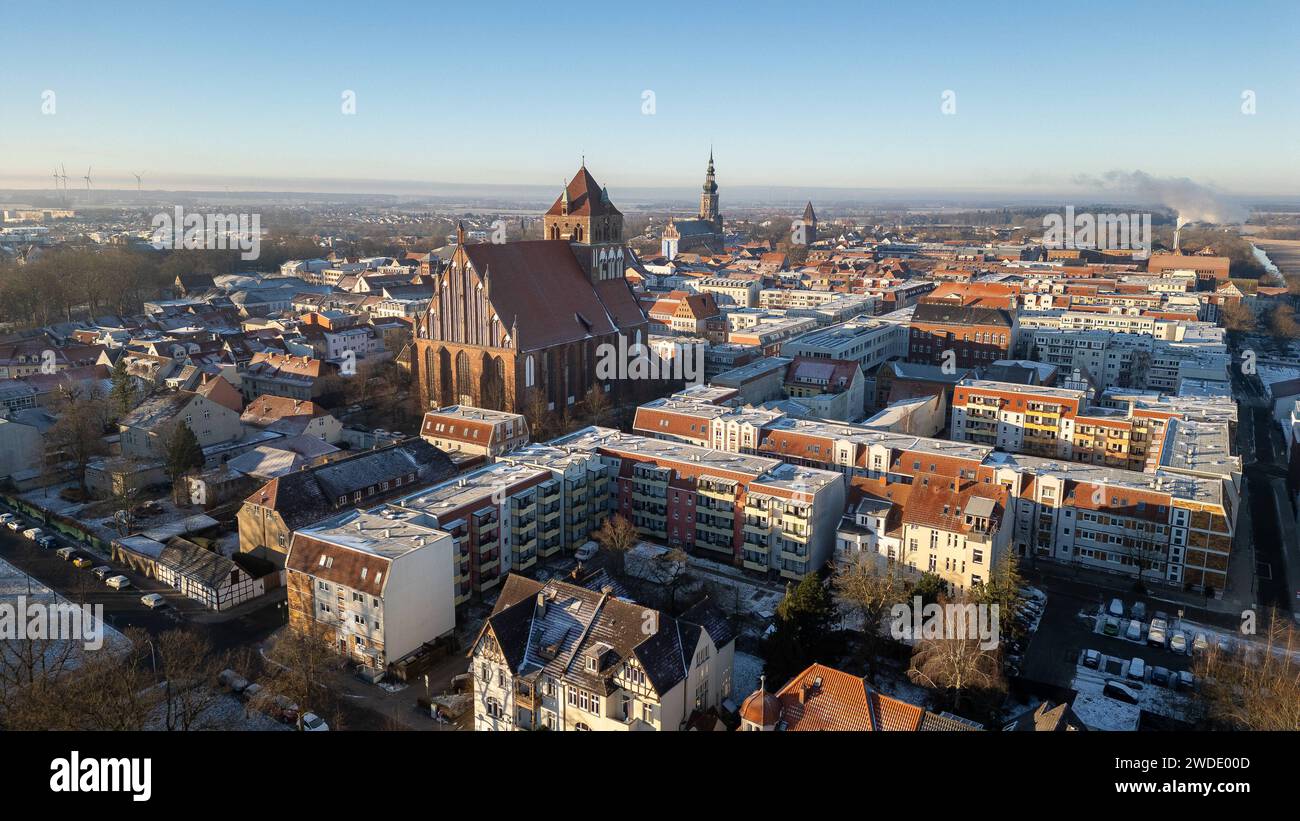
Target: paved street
x=248, y=625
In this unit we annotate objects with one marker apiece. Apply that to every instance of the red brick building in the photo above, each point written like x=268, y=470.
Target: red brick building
x=510, y=319
x=977, y=335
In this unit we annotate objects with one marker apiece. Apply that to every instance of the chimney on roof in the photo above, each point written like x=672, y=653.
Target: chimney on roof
x=541, y=605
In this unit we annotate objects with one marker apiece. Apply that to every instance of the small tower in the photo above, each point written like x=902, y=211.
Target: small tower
x=761, y=711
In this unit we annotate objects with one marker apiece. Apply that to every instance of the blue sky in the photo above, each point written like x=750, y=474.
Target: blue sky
x=832, y=94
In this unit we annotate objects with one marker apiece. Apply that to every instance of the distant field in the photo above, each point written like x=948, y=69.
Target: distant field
x=1285, y=253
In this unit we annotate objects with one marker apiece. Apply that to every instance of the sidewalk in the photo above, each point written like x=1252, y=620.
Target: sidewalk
x=1290, y=543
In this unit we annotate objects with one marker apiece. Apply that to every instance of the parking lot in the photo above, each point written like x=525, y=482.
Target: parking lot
x=123, y=608
x=1053, y=654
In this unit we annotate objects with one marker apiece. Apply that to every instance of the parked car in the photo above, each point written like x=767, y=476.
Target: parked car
x=153, y=601
x=118, y=582
x=232, y=681
x=81, y=563
x=1184, y=680
x=1161, y=676
x=1201, y=643
x=1156, y=633
x=15, y=524
x=1137, y=669
x=5, y=518
x=47, y=541
x=32, y=533
x=252, y=691
x=1139, y=610
x=1134, y=632
x=102, y=571
x=587, y=552
x=66, y=553
x=313, y=723
x=1120, y=691
x=1092, y=658
x=1178, y=642
x=1116, y=607
x=1111, y=627
x=1226, y=644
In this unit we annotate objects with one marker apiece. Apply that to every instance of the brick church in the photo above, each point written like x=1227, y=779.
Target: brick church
x=510, y=319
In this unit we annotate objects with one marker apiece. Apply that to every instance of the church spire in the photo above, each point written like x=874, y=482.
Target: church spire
x=709, y=197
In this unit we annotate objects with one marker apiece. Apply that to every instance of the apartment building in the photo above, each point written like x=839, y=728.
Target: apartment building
x=728, y=292
x=783, y=298
x=376, y=586
x=955, y=529
x=492, y=515
x=295, y=377
x=976, y=335
x=766, y=515
x=1169, y=526
x=829, y=388
x=557, y=656
x=146, y=431
x=585, y=495
x=476, y=431
x=868, y=342
x=1190, y=470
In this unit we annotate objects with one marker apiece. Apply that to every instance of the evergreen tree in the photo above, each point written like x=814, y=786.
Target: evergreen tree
x=802, y=633
x=930, y=587
x=184, y=453
x=123, y=394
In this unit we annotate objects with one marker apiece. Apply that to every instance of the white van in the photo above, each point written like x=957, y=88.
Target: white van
x=118, y=582
x=1116, y=607
x=1137, y=669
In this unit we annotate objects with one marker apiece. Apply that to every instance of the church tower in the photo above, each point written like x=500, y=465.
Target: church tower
x=709, y=198
x=584, y=215
x=809, y=224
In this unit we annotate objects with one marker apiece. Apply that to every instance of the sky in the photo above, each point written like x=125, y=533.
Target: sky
x=853, y=94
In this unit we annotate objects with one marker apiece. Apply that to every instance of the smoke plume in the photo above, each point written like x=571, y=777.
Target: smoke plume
x=1192, y=201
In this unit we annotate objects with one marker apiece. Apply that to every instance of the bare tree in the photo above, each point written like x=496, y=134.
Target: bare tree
x=1254, y=687
x=190, y=668
x=617, y=535
x=597, y=405
x=953, y=662
x=304, y=658
x=78, y=435
x=869, y=591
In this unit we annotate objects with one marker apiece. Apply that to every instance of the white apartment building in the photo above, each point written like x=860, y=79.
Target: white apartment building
x=377, y=586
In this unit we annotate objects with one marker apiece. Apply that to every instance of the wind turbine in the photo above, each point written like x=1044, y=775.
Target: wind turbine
x=87, y=179
x=138, y=178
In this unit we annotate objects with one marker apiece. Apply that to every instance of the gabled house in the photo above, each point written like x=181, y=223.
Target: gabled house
x=562, y=657
x=145, y=431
